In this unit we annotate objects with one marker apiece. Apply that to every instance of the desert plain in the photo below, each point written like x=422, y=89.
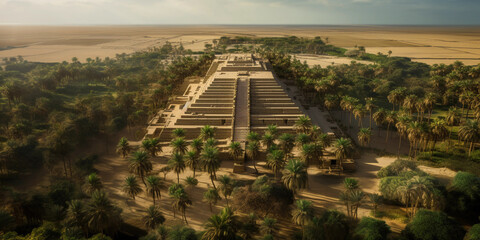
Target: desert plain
x=428, y=44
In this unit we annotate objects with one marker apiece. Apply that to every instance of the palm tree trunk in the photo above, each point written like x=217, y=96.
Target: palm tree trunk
x=193, y=172
x=213, y=183
x=178, y=178
x=255, y=165
x=388, y=128
x=153, y=196
x=370, y=119
x=470, y=148
x=399, y=145
x=65, y=166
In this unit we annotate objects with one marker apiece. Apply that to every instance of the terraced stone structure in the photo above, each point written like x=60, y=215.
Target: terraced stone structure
x=239, y=94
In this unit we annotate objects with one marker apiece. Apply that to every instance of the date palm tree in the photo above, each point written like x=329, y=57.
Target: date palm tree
x=181, y=201
x=123, y=147
x=272, y=130
x=470, y=132
x=77, y=214
x=390, y=119
x=364, y=135
x=376, y=200
x=102, y=215
x=303, y=124
x=295, y=176
x=154, y=186
x=402, y=126
x=315, y=132
x=211, y=196
x=140, y=165
x=253, y=150
x=276, y=161
x=253, y=137
x=153, y=218
x=178, y=133
x=303, y=139
x=207, y=132
x=92, y=183
x=287, y=142
x=197, y=145
x=210, y=162
x=177, y=164
x=192, y=160
x=439, y=131
x=268, y=140
x=308, y=153
x=414, y=132
x=359, y=113
x=211, y=142
x=235, y=150
x=221, y=226
x=343, y=147
x=152, y=146
x=179, y=145
x=268, y=225
x=302, y=214
x=226, y=186
x=452, y=119
x=131, y=187
x=379, y=117
x=429, y=101
x=370, y=106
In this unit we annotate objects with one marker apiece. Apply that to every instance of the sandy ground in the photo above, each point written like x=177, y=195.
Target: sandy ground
x=53, y=44
x=325, y=60
x=323, y=190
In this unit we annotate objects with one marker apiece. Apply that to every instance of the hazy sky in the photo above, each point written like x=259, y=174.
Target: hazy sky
x=66, y=12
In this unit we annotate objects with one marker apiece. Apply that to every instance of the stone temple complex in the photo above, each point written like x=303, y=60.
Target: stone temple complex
x=239, y=94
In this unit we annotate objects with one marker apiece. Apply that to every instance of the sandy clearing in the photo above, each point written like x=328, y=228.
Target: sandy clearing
x=325, y=60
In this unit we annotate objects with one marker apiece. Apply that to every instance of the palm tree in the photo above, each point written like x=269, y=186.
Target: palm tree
x=140, y=165
x=152, y=146
x=302, y=214
x=272, y=130
x=253, y=137
x=102, y=215
x=177, y=164
x=253, y=150
x=268, y=140
x=197, y=145
x=376, y=200
x=359, y=113
x=192, y=160
x=211, y=196
x=343, y=147
x=178, y=133
x=369, y=106
x=439, y=131
x=364, y=135
x=453, y=118
x=77, y=214
x=211, y=142
x=402, y=126
x=154, y=186
x=181, y=201
x=268, y=225
x=226, y=186
x=390, y=119
x=210, y=162
x=410, y=103
x=303, y=139
x=308, y=153
x=207, y=132
x=179, y=145
x=429, y=102
x=131, y=187
x=356, y=198
x=397, y=96
x=379, y=117
x=287, y=142
x=303, y=124
x=92, y=183
x=315, y=132
x=223, y=226
x=123, y=147
x=414, y=134
x=295, y=176
x=153, y=218
x=470, y=132
x=235, y=150
x=276, y=161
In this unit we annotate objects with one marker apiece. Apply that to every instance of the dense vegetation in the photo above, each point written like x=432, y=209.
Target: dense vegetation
x=51, y=112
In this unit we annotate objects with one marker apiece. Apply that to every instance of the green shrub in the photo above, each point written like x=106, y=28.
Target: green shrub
x=396, y=168
x=371, y=229
x=473, y=233
x=432, y=225
x=464, y=196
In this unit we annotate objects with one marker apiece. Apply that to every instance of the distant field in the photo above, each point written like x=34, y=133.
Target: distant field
x=53, y=44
